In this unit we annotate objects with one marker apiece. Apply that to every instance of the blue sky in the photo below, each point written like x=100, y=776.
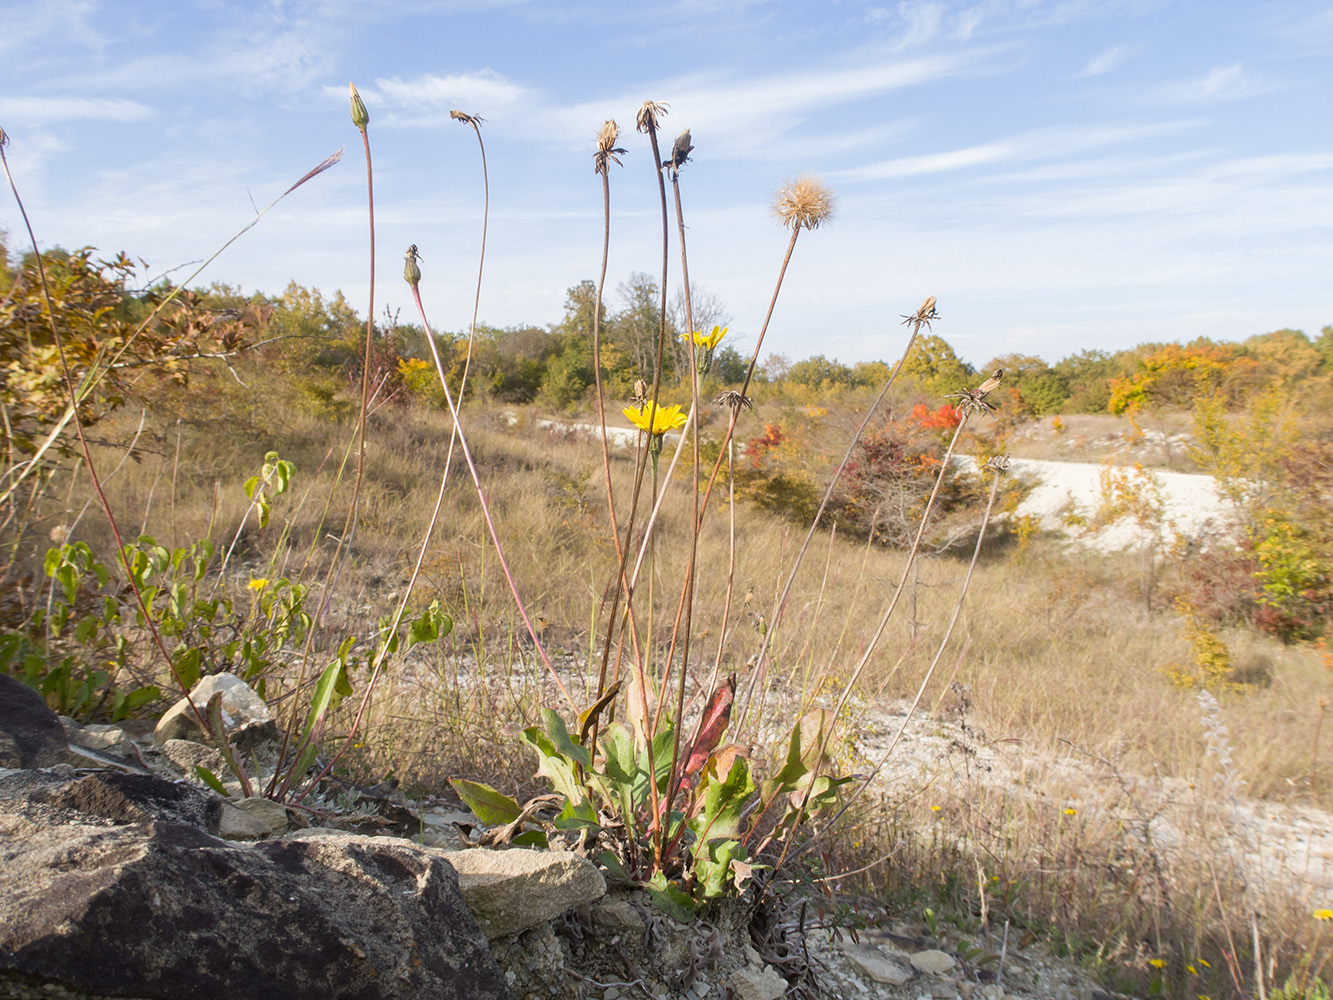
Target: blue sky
x=1061, y=174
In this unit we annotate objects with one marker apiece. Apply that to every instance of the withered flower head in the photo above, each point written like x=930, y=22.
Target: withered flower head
x=360, y=116
x=650, y=115
x=998, y=464
x=607, y=151
x=4, y=139
x=924, y=314
x=465, y=118
x=733, y=399
x=804, y=203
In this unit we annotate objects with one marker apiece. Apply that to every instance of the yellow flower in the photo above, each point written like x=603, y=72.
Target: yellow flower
x=934, y=808
x=259, y=583
x=1071, y=812
x=666, y=418
x=710, y=341
x=1323, y=914
x=1156, y=963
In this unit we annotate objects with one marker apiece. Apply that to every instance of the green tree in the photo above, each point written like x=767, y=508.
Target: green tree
x=820, y=372
x=1087, y=376
x=935, y=368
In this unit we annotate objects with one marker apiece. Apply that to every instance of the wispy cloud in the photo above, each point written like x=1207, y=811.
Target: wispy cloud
x=27, y=24
x=1106, y=61
x=918, y=20
x=1031, y=145
x=1222, y=83
x=426, y=99
x=47, y=110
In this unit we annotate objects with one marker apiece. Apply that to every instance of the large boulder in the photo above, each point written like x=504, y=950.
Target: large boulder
x=30, y=733
x=112, y=885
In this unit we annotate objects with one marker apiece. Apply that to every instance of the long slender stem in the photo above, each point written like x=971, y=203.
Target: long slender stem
x=485, y=505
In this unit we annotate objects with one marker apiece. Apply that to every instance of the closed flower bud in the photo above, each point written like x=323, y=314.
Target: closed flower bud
x=360, y=116
x=412, y=270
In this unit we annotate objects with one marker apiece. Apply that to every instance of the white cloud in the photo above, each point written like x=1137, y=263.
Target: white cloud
x=48, y=22
x=46, y=110
x=919, y=20
x=1223, y=83
x=932, y=163
x=1106, y=61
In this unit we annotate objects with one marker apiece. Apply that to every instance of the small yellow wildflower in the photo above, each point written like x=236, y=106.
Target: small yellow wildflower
x=666, y=418
x=1157, y=963
x=707, y=344
x=259, y=583
x=934, y=808
x=1071, y=812
x=1323, y=914
x=708, y=341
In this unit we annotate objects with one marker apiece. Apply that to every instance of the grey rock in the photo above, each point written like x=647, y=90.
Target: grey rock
x=112, y=739
x=875, y=964
x=510, y=891
x=933, y=962
x=751, y=983
x=187, y=754
x=246, y=718
x=237, y=824
x=30, y=733
x=103, y=892
x=616, y=915
x=272, y=816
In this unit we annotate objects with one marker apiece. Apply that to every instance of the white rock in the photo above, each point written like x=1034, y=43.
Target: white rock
x=237, y=824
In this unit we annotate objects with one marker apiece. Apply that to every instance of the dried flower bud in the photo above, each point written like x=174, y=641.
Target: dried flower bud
x=4, y=139
x=804, y=203
x=650, y=116
x=465, y=118
x=411, y=270
x=607, y=151
x=360, y=116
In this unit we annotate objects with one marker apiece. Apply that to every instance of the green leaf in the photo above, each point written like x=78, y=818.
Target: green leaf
x=552, y=764
x=609, y=861
x=670, y=899
x=531, y=838
x=210, y=779
x=327, y=694
x=712, y=865
x=576, y=816
x=492, y=807
x=559, y=734
x=723, y=802
x=188, y=666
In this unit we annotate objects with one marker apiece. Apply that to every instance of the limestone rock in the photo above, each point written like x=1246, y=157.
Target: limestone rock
x=933, y=962
x=186, y=754
x=104, y=890
x=272, y=816
x=30, y=733
x=237, y=824
x=248, y=722
x=751, y=983
x=875, y=964
x=112, y=739
x=510, y=891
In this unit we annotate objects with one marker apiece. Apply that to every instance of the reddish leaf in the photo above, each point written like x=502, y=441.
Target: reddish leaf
x=711, y=727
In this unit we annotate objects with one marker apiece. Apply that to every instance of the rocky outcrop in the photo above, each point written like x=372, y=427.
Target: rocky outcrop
x=30, y=735
x=113, y=884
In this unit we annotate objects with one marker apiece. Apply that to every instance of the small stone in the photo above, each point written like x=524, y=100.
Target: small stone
x=932, y=962
x=273, y=815
x=617, y=915
x=510, y=891
x=111, y=739
x=876, y=965
x=237, y=824
x=749, y=983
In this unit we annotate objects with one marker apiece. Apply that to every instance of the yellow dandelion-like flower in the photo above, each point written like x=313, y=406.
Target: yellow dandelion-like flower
x=707, y=341
x=666, y=418
x=1323, y=914
x=935, y=809
x=257, y=584
x=804, y=203
x=1071, y=812
x=1157, y=963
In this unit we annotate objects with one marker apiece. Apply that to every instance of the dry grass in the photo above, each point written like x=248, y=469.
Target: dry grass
x=1063, y=665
